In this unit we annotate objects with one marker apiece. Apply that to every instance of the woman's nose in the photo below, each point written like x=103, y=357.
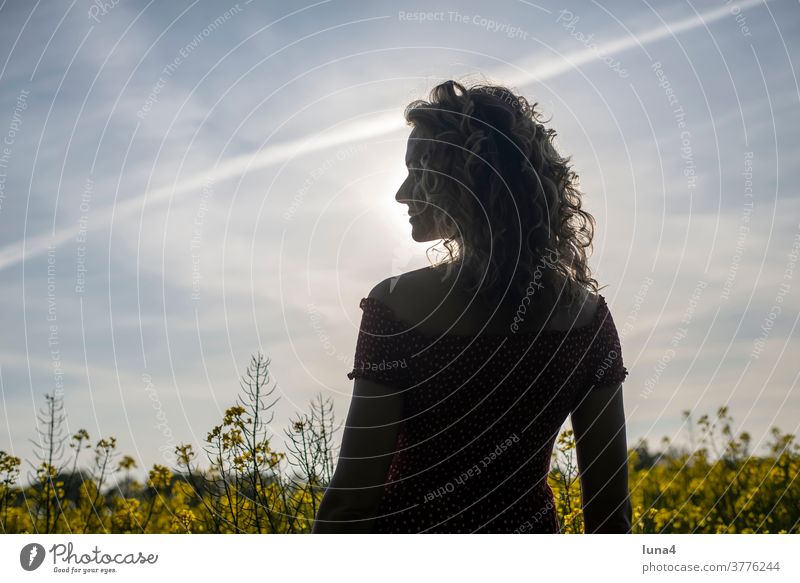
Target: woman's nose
x=403, y=195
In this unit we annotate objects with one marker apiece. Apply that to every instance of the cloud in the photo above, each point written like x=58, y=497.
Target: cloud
x=381, y=124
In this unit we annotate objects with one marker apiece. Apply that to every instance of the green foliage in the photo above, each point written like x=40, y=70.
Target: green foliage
x=717, y=486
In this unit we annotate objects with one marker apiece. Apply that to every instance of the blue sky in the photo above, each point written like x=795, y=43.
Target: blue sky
x=186, y=183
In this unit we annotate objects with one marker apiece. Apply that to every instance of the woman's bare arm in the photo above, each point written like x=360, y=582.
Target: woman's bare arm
x=601, y=446
x=368, y=444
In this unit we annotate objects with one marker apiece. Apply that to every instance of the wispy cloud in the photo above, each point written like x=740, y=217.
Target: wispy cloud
x=519, y=74
x=536, y=70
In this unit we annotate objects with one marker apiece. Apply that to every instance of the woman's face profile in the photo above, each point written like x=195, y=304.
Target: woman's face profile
x=420, y=212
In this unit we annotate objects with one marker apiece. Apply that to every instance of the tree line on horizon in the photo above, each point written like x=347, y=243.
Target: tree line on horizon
x=714, y=486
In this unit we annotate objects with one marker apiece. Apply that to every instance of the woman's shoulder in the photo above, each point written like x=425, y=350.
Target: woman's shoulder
x=580, y=312
x=405, y=295
x=422, y=299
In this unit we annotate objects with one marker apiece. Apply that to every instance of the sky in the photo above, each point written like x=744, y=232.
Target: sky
x=185, y=184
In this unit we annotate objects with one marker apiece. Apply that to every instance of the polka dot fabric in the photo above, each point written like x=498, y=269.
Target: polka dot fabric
x=480, y=417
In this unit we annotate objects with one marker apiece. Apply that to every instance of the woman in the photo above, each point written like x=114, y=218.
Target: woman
x=465, y=371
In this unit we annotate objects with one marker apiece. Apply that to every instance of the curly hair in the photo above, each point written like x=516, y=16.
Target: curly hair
x=505, y=201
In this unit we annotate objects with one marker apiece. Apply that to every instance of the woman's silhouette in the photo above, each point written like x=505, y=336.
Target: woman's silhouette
x=465, y=371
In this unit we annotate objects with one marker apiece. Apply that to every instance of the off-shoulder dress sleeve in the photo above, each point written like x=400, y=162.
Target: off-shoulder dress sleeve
x=380, y=353
x=605, y=352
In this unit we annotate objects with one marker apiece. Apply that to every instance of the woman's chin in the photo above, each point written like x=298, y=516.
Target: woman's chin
x=421, y=235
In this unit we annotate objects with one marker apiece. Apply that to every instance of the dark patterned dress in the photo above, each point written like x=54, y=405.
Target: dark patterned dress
x=480, y=417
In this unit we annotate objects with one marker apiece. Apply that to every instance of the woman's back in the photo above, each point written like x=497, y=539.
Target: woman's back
x=437, y=307
x=481, y=406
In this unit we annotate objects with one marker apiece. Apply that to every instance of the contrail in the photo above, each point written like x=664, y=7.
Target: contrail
x=384, y=124
x=538, y=71
x=39, y=244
